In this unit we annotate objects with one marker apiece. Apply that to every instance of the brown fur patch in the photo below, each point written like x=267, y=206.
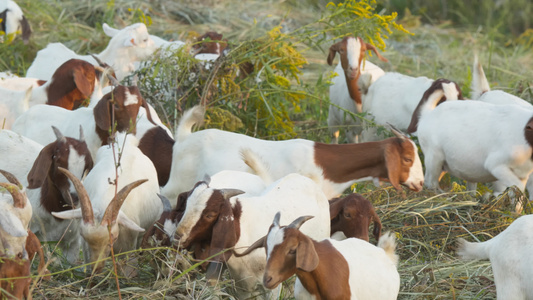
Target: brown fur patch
x=528, y=133
x=352, y=215
x=210, y=47
x=71, y=84
x=157, y=145
x=11, y=268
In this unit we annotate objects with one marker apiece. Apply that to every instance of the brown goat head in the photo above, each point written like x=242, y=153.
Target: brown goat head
x=210, y=42
x=71, y=84
x=353, y=215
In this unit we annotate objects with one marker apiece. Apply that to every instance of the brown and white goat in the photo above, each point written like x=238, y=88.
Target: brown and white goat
x=117, y=109
x=345, y=91
x=335, y=167
x=215, y=44
x=351, y=216
x=329, y=269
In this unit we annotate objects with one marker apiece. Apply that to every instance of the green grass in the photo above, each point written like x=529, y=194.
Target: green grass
x=426, y=224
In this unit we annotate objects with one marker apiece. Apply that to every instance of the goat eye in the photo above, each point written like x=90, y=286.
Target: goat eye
x=347, y=216
x=408, y=160
x=292, y=251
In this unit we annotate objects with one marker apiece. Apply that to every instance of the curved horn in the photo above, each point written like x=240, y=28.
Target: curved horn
x=207, y=179
x=60, y=137
x=228, y=193
x=135, y=80
x=166, y=203
x=101, y=63
x=113, y=80
x=85, y=202
x=299, y=222
x=260, y=243
x=111, y=213
x=82, y=136
x=11, y=178
x=19, y=201
x=275, y=222
x=397, y=132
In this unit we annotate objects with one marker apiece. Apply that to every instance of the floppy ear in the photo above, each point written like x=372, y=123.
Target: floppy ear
x=123, y=220
x=11, y=224
x=306, y=256
x=393, y=163
x=130, y=41
x=377, y=226
x=40, y=167
x=68, y=214
x=332, y=51
x=102, y=116
x=26, y=29
x=371, y=47
x=224, y=234
x=83, y=83
x=335, y=208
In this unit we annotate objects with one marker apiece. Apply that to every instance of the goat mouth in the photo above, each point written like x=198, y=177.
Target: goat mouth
x=414, y=187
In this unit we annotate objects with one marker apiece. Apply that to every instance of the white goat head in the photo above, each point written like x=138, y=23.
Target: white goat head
x=99, y=236
x=135, y=37
x=13, y=21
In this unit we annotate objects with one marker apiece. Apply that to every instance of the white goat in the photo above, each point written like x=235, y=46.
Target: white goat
x=12, y=106
x=329, y=269
x=335, y=166
x=215, y=220
x=48, y=190
x=128, y=45
x=490, y=142
x=120, y=107
x=13, y=21
x=134, y=209
x=510, y=256
x=344, y=93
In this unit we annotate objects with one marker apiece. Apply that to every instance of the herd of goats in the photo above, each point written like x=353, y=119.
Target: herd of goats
x=107, y=174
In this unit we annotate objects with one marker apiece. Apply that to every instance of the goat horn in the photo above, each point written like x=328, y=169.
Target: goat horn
x=113, y=80
x=82, y=136
x=135, y=80
x=11, y=178
x=166, y=203
x=396, y=131
x=111, y=213
x=275, y=222
x=228, y=193
x=299, y=222
x=85, y=202
x=19, y=201
x=60, y=137
x=99, y=68
x=100, y=62
x=207, y=179
x=260, y=243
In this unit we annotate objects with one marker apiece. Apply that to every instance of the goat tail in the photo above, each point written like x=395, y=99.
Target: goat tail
x=387, y=242
x=258, y=166
x=467, y=250
x=191, y=117
x=479, y=84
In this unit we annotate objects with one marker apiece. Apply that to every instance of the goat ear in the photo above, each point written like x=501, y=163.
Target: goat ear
x=335, y=207
x=332, y=51
x=101, y=112
x=26, y=29
x=371, y=47
x=224, y=233
x=123, y=220
x=11, y=224
x=68, y=214
x=377, y=226
x=147, y=108
x=109, y=31
x=393, y=163
x=40, y=167
x=82, y=81
x=130, y=41
x=306, y=256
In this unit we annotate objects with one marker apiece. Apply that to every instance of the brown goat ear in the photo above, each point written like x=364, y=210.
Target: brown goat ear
x=335, y=207
x=83, y=82
x=377, y=226
x=102, y=116
x=224, y=234
x=393, y=163
x=332, y=51
x=40, y=167
x=306, y=256
x=371, y=47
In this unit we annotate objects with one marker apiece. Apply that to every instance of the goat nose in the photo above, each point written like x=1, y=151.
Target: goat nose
x=267, y=280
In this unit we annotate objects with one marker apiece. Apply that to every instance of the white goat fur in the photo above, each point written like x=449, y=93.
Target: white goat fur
x=510, y=256
x=14, y=224
x=293, y=195
x=392, y=99
x=488, y=145
x=140, y=209
x=12, y=105
x=131, y=44
x=18, y=156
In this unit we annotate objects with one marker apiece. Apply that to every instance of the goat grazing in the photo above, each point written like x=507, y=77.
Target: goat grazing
x=13, y=21
x=134, y=209
x=344, y=93
x=48, y=190
x=216, y=220
x=499, y=139
x=128, y=45
x=336, y=167
x=329, y=269
x=509, y=253
x=351, y=216
x=119, y=108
